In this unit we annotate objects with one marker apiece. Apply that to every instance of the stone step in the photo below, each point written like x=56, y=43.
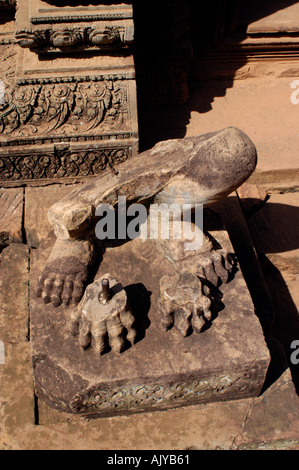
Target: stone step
x=278, y=17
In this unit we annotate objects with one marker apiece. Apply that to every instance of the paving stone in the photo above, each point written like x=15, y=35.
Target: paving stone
x=275, y=231
x=274, y=417
x=14, y=283
x=195, y=427
x=273, y=17
x=11, y=215
x=18, y=390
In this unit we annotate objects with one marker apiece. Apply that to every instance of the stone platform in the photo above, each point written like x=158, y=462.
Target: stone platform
x=229, y=360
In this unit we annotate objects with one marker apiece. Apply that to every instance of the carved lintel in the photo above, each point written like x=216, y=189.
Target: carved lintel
x=71, y=28
x=99, y=37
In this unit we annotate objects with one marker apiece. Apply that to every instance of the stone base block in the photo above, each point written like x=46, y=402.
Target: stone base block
x=163, y=370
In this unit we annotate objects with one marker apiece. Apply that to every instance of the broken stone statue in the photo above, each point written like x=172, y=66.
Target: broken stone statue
x=194, y=170
x=114, y=328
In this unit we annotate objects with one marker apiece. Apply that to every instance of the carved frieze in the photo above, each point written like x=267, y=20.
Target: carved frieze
x=70, y=126
x=103, y=38
x=7, y=67
x=64, y=163
x=63, y=108
x=102, y=27
x=71, y=115
x=134, y=397
x=46, y=12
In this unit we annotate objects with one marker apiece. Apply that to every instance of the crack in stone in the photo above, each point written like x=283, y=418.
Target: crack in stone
x=235, y=445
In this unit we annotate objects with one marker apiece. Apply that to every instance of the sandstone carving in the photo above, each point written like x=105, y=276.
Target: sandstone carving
x=183, y=303
x=49, y=109
x=69, y=112
x=67, y=116
x=46, y=30
x=198, y=170
x=103, y=318
x=101, y=38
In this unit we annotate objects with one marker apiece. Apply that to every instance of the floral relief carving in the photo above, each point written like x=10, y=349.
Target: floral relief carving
x=157, y=395
x=64, y=164
x=59, y=108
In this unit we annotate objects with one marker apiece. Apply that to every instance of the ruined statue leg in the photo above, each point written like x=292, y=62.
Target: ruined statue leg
x=65, y=275
x=64, y=278
x=197, y=170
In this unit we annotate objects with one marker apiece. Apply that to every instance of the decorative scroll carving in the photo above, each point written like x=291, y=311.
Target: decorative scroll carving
x=7, y=67
x=157, y=395
x=59, y=108
x=77, y=114
x=61, y=164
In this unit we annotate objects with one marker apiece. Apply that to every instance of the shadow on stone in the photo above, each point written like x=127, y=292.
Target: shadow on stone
x=285, y=327
x=139, y=302
x=139, y=299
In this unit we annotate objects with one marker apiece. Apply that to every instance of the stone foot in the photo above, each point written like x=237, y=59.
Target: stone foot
x=209, y=263
x=215, y=266
x=184, y=303
x=104, y=318
x=64, y=278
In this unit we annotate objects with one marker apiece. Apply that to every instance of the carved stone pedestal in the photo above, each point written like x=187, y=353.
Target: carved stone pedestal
x=71, y=109
x=227, y=360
